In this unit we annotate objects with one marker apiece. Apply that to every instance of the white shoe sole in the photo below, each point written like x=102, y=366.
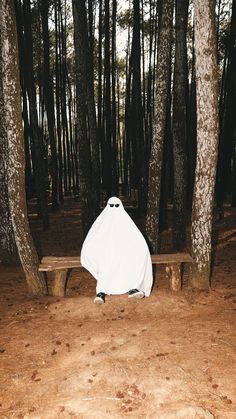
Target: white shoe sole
x=137, y=296
x=98, y=300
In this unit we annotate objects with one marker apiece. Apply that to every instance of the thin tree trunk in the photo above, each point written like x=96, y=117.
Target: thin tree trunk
x=99, y=94
x=30, y=187
x=58, y=105
x=127, y=140
x=149, y=105
x=92, y=121
x=180, y=124
x=71, y=135
x=207, y=142
x=166, y=194
x=159, y=123
x=191, y=133
x=113, y=110
x=107, y=104
x=38, y=157
x=66, y=143
x=49, y=104
x=85, y=178
x=139, y=175
x=228, y=124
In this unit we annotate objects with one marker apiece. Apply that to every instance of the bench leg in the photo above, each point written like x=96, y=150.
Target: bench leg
x=174, y=276
x=59, y=283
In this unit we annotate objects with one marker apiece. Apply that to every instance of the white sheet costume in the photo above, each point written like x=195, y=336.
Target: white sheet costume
x=116, y=253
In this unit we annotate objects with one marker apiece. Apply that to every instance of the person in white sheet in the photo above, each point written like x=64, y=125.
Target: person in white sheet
x=116, y=254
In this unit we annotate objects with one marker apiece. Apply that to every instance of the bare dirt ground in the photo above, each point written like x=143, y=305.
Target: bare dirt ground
x=168, y=356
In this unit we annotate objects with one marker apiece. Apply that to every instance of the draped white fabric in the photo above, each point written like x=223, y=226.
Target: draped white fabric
x=116, y=253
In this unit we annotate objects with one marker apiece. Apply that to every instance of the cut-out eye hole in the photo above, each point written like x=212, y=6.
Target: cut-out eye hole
x=114, y=205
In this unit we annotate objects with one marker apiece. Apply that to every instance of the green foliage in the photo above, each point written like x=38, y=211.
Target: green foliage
x=125, y=18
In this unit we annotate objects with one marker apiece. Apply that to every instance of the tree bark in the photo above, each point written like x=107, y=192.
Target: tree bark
x=180, y=123
x=138, y=173
x=92, y=120
x=29, y=178
x=58, y=103
x=207, y=142
x=63, y=94
x=8, y=250
x=225, y=179
x=160, y=107
x=85, y=173
x=49, y=104
x=99, y=91
x=191, y=133
x=15, y=144
x=115, y=166
x=36, y=135
x=108, y=172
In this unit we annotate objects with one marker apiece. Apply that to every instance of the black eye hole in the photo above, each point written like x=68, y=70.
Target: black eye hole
x=114, y=205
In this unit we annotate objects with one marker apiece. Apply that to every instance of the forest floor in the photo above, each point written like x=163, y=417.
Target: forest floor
x=172, y=355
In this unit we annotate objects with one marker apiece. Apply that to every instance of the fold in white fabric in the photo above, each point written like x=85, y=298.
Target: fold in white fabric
x=116, y=253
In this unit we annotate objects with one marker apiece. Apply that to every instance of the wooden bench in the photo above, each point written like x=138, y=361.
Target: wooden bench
x=59, y=266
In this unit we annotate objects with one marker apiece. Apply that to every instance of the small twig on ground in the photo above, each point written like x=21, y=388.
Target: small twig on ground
x=99, y=398
x=15, y=321
x=227, y=343
x=187, y=373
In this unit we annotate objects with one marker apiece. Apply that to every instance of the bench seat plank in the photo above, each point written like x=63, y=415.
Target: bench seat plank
x=49, y=263
x=55, y=266
x=171, y=258
x=49, y=259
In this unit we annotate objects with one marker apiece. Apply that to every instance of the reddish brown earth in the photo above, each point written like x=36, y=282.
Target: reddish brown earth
x=167, y=356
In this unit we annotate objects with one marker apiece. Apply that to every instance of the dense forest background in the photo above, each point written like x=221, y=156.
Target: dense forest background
x=117, y=43
x=109, y=99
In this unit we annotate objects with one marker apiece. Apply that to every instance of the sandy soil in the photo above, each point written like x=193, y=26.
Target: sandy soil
x=167, y=356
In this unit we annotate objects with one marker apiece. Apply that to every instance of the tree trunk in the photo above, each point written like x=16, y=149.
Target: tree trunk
x=113, y=110
x=127, y=139
x=207, y=142
x=99, y=92
x=58, y=104
x=191, y=134
x=87, y=56
x=152, y=53
x=30, y=186
x=85, y=178
x=8, y=250
x=107, y=104
x=49, y=104
x=228, y=122
x=38, y=157
x=15, y=144
x=139, y=175
x=180, y=123
x=162, y=88
x=63, y=92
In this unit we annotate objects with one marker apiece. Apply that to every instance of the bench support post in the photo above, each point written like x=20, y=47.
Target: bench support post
x=59, y=283
x=174, y=276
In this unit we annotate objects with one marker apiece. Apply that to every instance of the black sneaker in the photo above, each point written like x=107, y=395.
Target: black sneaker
x=100, y=298
x=136, y=294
